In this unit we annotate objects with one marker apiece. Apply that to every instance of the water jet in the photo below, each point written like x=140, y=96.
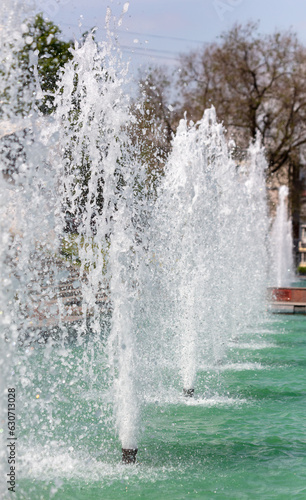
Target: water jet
x=283, y=297
x=282, y=243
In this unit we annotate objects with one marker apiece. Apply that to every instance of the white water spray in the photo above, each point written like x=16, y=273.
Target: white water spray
x=210, y=228
x=282, y=243
x=172, y=274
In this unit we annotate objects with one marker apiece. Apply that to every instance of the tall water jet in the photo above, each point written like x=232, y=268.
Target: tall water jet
x=108, y=239
x=14, y=97
x=250, y=260
x=78, y=162
x=282, y=243
x=202, y=244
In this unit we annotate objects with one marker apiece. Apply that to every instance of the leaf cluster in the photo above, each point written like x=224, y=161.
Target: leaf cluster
x=43, y=40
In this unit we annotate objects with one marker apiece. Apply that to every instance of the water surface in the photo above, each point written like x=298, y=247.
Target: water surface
x=242, y=437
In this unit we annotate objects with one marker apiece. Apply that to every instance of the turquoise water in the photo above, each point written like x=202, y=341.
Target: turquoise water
x=242, y=437
x=301, y=283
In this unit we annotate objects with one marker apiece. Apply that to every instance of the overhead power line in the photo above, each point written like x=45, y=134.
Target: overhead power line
x=147, y=49
x=143, y=54
x=162, y=36
x=128, y=32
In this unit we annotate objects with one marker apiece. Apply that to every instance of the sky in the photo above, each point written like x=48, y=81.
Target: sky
x=157, y=31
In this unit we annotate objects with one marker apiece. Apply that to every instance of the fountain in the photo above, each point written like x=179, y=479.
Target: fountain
x=202, y=219
x=156, y=286
x=282, y=242
x=284, y=297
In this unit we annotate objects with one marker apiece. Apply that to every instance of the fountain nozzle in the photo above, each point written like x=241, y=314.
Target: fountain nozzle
x=188, y=393
x=129, y=455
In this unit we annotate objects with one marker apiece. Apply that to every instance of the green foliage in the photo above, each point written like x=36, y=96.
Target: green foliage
x=155, y=122
x=43, y=38
x=69, y=248
x=302, y=270
x=72, y=244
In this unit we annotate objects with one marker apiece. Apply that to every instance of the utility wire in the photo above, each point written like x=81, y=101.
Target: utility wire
x=162, y=36
x=127, y=32
x=143, y=54
x=147, y=49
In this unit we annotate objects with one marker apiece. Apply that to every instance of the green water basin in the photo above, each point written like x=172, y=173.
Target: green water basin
x=243, y=436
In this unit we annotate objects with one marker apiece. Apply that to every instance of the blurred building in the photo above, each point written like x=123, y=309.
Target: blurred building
x=302, y=220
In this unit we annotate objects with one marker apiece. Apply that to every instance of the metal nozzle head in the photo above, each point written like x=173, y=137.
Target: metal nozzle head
x=129, y=455
x=188, y=393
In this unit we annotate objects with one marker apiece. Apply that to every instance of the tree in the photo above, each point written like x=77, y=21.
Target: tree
x=155, y=121
x=257, y=84
x=43, y=39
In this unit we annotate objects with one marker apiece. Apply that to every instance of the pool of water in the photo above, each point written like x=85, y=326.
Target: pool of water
x=242, y=437
x=301, y=283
